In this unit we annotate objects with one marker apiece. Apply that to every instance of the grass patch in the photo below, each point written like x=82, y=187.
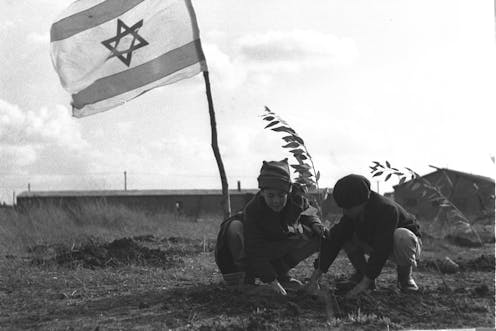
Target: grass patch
x=22, y=231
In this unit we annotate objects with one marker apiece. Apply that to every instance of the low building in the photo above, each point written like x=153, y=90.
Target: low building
x=190, y=203
x=472, y=194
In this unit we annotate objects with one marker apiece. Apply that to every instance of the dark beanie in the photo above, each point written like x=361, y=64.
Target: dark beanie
x=351, y=191
x=275, y=175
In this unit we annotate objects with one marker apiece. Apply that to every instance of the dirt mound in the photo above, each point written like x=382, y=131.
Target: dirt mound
x=125, y=251
x=477, y=237
x=186, y=246
x=178, y=245
x=482, y=263
x=463, y=241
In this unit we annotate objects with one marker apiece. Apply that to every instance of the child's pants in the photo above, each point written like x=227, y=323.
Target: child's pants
x=406, y=249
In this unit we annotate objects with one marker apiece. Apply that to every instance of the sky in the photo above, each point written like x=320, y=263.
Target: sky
x=411, y=82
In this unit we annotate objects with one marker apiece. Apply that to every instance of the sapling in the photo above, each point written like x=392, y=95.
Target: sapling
x=307, y=176
x=428, y=190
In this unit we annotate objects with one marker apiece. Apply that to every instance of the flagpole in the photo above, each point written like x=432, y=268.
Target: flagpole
x=226, y=204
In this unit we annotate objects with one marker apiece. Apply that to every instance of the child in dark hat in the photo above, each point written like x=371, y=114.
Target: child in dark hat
x=372, y=225
x=276, y=230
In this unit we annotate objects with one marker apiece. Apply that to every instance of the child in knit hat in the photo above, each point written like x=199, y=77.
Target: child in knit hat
x=373, y=225
x=275, y=231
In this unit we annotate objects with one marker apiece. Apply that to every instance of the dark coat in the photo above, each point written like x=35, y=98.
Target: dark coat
x=263, y=231
x=266, y=231
x=381, y=217
x=223, y=257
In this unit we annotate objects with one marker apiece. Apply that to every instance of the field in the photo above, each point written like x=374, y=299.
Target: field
x=106, y=268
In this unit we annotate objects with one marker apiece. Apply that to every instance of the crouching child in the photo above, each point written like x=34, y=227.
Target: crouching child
x=276, y=230
x=374, y=225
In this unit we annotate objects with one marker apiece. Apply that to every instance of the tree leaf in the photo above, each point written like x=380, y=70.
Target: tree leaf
x=283, y=129
x=415, y=186
x=432, y=196
x=300, y=158
x=289, y=138
x=310, y=184
x=297, y=151
x=402, y=180
x=293, y=144
x=271, y=124
x=298, y=139
x=427, y=184
x=378, y=164
x=317, y=177
x=325, y=194
x=387, y=177
x=378, y=173
x=301, y=166
x=269, y=118
x=388, y=164
x=304, y=180
x=304, y=173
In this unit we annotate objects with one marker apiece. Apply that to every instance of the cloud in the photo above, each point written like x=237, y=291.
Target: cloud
x=6, y=25
x=16, y=156
x=124, y=127
x=38, y=127
x=292, y=51
x=260, y=57
x=228, y=72
x=175, y=154
x=38, y=38
x=29, y=138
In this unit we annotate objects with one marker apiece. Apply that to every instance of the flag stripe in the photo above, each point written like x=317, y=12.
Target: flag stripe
x=91, y=17
x=141, y=75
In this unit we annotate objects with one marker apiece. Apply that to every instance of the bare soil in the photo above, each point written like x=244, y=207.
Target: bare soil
x=149, y=283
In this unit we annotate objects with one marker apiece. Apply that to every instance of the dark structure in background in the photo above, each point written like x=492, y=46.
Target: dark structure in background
x=189, y=203
x=472, y=194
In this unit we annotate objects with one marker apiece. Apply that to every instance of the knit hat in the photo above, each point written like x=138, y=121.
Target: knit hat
x=351, y=191
x=275, y=175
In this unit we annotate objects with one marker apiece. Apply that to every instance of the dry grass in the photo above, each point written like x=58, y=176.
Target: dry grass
x=93, y=222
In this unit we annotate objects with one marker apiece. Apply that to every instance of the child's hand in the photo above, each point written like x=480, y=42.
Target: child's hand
x=276, y=286
x=319, y=229
x=313, y=286
x=361, y=287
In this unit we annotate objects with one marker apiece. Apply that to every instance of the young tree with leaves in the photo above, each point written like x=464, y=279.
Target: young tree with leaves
x=307, y=175
x=429, y=191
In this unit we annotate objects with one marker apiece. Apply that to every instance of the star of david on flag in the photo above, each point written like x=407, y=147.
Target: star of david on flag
x=107, y=52
x=122, y=31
